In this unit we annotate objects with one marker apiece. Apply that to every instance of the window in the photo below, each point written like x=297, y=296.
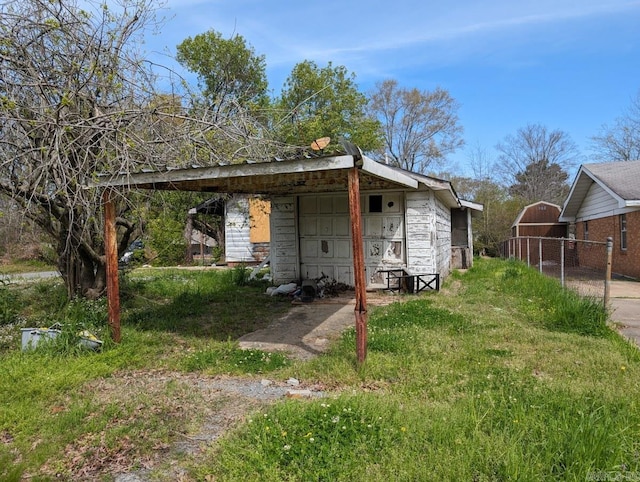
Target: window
x=585, y=235
x=375, y=204
x=623, y=231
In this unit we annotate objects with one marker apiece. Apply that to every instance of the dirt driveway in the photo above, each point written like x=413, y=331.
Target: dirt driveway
x=625, y=308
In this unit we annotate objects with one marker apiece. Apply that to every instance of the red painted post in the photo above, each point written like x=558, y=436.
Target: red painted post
x=358, y=264
x=111, y=257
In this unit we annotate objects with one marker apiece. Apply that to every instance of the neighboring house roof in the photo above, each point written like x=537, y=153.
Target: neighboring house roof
x=526, y=208
x=619, y=179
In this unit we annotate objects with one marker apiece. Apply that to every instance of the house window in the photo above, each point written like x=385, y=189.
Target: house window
x=585, y=235
x=623, y=231
x=375, y=203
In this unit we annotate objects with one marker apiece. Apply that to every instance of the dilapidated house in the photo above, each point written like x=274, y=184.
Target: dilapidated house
x=406, y=218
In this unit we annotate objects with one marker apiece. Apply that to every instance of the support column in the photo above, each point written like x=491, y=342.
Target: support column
x=358, y=264
x=111, y=256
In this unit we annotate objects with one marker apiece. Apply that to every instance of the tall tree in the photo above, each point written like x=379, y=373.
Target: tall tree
x=229, y=71
x=77, y=99
x=324, y=102
x=420, y=128
x=620, y=142
x=534, y=162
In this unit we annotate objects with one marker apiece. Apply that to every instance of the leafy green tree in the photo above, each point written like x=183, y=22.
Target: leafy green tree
x=230, y=73
x=324, y=102
x=420, y=128
x=499, y=211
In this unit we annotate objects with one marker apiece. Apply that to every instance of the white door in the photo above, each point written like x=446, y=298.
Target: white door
x=325, y=236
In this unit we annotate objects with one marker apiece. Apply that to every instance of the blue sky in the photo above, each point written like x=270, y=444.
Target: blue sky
x=572, y=65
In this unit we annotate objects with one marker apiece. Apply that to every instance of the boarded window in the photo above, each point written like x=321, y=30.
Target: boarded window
x=259, y=210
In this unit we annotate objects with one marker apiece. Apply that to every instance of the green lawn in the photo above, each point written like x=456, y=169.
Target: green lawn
x=500, y=376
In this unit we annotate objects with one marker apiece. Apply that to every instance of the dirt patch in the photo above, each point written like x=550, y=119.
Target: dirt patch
x=195, y=409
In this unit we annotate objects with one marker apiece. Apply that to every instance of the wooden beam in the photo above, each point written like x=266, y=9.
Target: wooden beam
x=358, y=264
x=111, y=256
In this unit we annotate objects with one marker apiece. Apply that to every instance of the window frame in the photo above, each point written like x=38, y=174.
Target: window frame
x=623, y=232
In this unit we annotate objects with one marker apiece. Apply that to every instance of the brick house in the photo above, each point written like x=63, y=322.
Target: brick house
x=604, y=201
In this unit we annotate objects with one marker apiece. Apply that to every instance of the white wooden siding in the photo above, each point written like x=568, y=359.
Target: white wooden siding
x=285, y=260
x=443, y=238
x=236, y=230
x=421, y=229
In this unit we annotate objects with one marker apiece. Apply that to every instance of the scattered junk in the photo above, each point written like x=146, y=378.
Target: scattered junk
x=310, y=289
x=89, y=340
x=33, y=337
x=284, y=289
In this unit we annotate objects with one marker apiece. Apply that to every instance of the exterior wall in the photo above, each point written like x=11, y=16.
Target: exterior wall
x=539, y=220
x=596, y=204
x=285, y=259
x=426, y=236
x=624, y=262
x=540, y=213
x=236, y=230
x=443, y=239
x=420, y=219
x=246, y=230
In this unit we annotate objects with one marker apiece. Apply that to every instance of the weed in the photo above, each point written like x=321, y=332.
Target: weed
x=229, y=358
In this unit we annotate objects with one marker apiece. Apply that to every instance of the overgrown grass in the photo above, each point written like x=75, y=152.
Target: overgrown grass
x=54, y=420
x=501, y=376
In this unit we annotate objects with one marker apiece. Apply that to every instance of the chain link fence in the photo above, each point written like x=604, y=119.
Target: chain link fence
x=581, y=265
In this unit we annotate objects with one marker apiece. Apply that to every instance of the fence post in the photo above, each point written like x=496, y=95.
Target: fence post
x=540, y=254
x=562, y=262
x=519, y=248
x=528, y=251
x=607, y=279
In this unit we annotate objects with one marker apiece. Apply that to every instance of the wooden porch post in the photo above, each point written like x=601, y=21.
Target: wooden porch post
x=358, y=264
x=111, y=256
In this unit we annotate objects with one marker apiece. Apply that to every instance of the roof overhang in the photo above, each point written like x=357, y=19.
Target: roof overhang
x=475, y=208
x=579, y=190
x=297, y=176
